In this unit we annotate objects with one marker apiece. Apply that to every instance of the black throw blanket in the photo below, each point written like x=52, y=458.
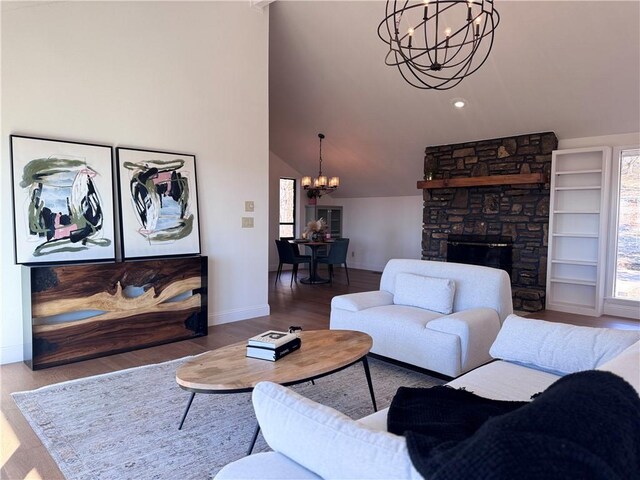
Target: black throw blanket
x=584, y=426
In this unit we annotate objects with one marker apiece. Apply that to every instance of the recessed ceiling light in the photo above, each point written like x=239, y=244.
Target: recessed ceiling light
x=458, y=102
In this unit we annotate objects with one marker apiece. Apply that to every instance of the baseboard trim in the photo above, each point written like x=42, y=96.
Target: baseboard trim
x=618, y=310
x=238, y=314
x=11, y=354
x=365, y=266
x=286, y=266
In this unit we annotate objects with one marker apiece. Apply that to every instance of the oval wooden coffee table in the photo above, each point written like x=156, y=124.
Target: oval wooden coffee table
x=229, y=370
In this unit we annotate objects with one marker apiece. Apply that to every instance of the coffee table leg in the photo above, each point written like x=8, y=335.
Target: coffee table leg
x=253, y=440
x=184, y=415
x=365, y=362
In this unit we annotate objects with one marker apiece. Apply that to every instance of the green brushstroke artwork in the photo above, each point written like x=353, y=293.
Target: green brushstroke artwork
x=64, y=210
x=160, y=197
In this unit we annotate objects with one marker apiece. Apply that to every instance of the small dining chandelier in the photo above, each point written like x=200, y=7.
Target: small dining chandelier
x=437, y=43
x=320, y=185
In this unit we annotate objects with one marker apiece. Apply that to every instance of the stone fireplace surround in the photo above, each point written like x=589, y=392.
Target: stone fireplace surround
x=520, y=212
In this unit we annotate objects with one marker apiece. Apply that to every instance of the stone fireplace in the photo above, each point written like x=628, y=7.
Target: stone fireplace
x=477, y=191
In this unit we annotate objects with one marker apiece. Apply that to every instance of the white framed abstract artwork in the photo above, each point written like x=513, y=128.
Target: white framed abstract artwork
x=158, y=203
x=62, y=201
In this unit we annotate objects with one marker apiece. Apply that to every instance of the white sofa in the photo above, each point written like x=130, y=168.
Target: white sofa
x=312, y=441
x=439, y=316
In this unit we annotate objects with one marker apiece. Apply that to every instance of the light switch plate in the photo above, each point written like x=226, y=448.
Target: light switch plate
x=247, y=222
x=249, y=206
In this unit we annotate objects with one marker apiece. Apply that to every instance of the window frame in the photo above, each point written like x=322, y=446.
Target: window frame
x=613, y=305
x=294, y=213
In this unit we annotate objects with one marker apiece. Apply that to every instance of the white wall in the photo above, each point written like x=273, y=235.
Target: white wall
x=605, y=140
x=381, y=228
x=187, y=77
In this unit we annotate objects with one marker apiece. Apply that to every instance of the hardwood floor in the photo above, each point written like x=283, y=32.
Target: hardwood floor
x=22, y=455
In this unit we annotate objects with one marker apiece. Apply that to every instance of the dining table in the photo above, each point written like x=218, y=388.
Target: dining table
x=314, y=246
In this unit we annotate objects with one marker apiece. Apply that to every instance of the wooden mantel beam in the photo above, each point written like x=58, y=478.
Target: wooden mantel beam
x=459, y=182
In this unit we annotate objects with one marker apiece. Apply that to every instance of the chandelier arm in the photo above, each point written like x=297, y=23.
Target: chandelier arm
x=465, y=42
x=424, y=85
x=463, y=61
x=469, y=71
x=468, y=27
x=396, y=23
x=400, y=13
x=461, y=73
x=428, y=49
x=320, y=169
x=412, y=58
x=488, y=34
x=464, y=71
x=488, y=51
x=385, y=21
x=443, y=81
x=439, y=86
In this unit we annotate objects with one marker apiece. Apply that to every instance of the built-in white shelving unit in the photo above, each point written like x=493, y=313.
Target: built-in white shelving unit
x=578, y=230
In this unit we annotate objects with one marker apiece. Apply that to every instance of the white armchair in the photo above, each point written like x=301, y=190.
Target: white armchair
x=436, y=315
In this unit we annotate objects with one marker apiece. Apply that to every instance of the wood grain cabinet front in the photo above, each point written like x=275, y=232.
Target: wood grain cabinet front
x=84, y=311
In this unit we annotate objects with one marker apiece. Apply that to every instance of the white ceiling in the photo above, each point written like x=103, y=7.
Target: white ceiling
x=572, y=67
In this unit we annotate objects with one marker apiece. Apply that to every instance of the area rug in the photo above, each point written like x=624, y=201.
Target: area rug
x=124, y=425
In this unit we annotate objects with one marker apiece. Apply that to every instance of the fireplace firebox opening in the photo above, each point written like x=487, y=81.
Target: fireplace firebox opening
x=486, y=250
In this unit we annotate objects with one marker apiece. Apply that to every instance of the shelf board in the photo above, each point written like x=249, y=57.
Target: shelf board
x=571, y=307
x=576, y=235
x=585, y=263
x=574, y=281
x=515, y=179
x=574, y=172
x=586, y=187
x=578, y=211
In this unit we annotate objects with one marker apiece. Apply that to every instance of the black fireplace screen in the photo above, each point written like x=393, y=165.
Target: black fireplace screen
x=486, y=250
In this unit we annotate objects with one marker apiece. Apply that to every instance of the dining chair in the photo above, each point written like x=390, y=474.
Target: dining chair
x=288, y=254
x=337, y=256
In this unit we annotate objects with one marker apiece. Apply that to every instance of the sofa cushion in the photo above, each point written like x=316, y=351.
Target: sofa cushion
x=559, y=347
x=505, y=381
x=265, y=466
x=354, y=302
x=430, y=293
x=626, y=365
x=324, y=440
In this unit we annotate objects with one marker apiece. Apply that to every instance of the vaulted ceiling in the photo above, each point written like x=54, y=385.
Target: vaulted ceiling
x=572, y=67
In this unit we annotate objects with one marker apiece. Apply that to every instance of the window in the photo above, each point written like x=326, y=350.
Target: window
x=626, y=190
x=287, y=208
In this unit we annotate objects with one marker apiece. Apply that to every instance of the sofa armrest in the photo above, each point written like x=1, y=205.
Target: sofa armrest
x=355, y=302
x=326, y=441
x=477, y=328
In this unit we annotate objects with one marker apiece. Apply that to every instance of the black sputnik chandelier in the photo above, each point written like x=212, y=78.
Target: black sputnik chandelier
x=437, y=43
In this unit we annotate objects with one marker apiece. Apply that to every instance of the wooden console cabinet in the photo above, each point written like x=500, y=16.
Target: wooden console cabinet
x=84, y=311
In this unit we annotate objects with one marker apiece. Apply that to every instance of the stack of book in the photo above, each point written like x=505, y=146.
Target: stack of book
x=272, y=345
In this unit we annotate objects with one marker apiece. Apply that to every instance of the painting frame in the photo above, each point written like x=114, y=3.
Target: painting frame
x=62, y=201
x=158, y=201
